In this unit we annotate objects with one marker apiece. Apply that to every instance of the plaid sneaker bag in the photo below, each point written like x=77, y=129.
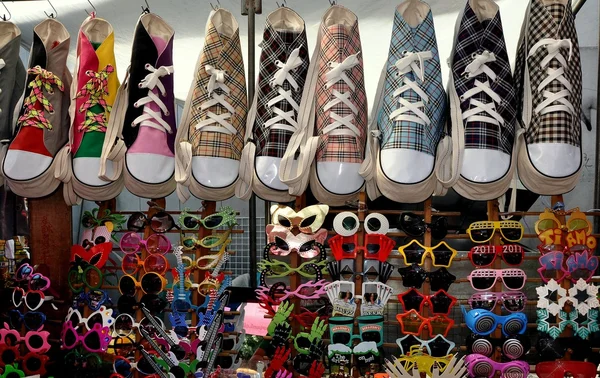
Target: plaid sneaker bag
x=333, y=116
x=12, y=82
x=93, y=92
x=408, y=113
x=209, y=140
x=548, y=76
x=31, y=160
x=482, y=105
x=273, y=115
x=143, y=118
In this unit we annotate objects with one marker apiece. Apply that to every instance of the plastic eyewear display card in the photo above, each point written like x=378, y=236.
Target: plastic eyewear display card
x=341, y=296
x=374, y=298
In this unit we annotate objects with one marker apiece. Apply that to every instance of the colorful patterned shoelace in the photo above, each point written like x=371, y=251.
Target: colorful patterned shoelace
x=97, y=88
x=44, y=80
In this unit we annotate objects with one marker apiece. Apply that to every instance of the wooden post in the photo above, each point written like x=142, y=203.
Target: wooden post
x=428, y=265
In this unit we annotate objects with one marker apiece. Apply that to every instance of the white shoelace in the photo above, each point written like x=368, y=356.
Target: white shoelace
x=217, y=122
x=405, y=65
x=2, y=64
x=480, y=111
x=553, y=46
x=282, y=75
x=337, y=73
x=150, y=117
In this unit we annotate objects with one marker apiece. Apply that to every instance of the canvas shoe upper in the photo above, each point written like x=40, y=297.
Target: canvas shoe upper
x=43, y=121
x=149, y=127
x=212, y=127
x=336, y=101
x=548, y=76
x=483, y=101
x=12, y=80
x=273, y=117
x=410, y=109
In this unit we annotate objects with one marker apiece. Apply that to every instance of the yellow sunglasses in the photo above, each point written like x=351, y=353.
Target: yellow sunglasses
x=483, y=231
x=210, y=241
x=205, y=262
x=415, y=253
x=577, y=221
x=423, y=362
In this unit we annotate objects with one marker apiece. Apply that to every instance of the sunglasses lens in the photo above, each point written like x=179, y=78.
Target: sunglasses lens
x=307, y=250
x=582, y=273
x=126, y=304
x=39, y=282
x=481, y=235
x=483, y=256
x=513, y=326
x=483, y=301
x=213, y=221
x=156, y=263
x=34, y=320
x=228, y=344
x=308, y=221
x=14, y=317
x=92, y=340
x=122, y=367
x=36, y=342
x=33, y=364
x=127, y=286
x=348, y=247
x=123, y=325
x=442, y=255
x=161, y=222
x=485, y=324
x=8, y=356
x=371, y=336
x=546, y=224
x=87, y=221
x=374, y=224
x=225, y=362
x=158, y=244
x=483, y=283
x=439, y=347
x=439, y=326
x=130, y=243
x=153, y=302
x=17, y=296
x=93, y=278
x=413, y=276
x=151, y=283
x=130, y=263
x=412, y=224
x=23, y=272
x=514, y=303
x=341, y=338
x=136, y=222
x=411, y=324
x=513, y=258
x=439, y=228
x=412, y=301
x=441, y=304
x=512, y=233
x=483, y=369
x=183, y=331
x=514, y=283
x=284, y=221
x=281, y=244
x=190, y=222
x=349, y=223
x=34, y=299
x=513, y=349
x=578, y=224
x=188, y=243
x=414, y=254
x=373, y=249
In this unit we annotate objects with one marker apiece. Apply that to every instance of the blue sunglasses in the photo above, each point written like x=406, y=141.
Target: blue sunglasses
x=484, y=322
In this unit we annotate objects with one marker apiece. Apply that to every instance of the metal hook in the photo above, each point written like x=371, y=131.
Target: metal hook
x=283, y=4
x=93, y=7
x=217, y=7
x=332, y=2
x=4, y=16
x=147, y=8
x=53, y=14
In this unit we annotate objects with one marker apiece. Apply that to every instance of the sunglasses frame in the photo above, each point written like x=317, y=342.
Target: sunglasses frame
x=497, y=251
x=494, y=225
x=144, y=243
x=560, y=369
x=472, y=360
x=105, y=313
x=318, y=211
x=17, y=353
x=143, y=263
x=568, y=266
x=104, y=337
x=425, y=343
x=426, y=301
x=472, y=317
x=426, y=226
x=222, y=240
x=427, y=250
x=138, y=284
x=81, y=278
x=385, y=244
x=22, y=319
x=148, y=222
x=24, y=294
x=499, y=297
x=6, y=331
x=497, y=273
x=575, y=215
x=424, y=275
x=506, y=344
x=424, y=322
x=227, y=213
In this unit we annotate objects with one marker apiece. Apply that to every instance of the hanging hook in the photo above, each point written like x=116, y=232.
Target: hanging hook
x=147, y=8
x=53, y=14
x=217, y=7
x=283, y=4
x=93, y=7
x=4, y=16
x=332, y=2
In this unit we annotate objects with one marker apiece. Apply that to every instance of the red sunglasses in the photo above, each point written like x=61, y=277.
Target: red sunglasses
x=561, y=369
x=376, y=247
x=439, y=303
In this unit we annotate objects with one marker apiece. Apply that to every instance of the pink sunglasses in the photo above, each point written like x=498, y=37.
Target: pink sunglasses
x=578, y=265
x=485, y=279
x=512, y=301
x=95, y=340
x=155, y=243
x=36, y=341
x=482, y=366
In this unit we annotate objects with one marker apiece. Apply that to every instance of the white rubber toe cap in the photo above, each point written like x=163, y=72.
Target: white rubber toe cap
x=25, y=165
x=150, y=168
x=482, y=165
x=340, y=178
x=215, y=172
x=86, y=170
x=406, y=166
x=555, y=159
x=267, y=171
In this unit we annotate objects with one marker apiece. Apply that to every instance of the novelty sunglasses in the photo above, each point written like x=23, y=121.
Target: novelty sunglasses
x=94, y=340
x=484, y=322
x=415, y=253
x=485, y=255
x=483, y=231
x=485, y=279
x=307, y=220
x=581, y=325
x=94, y=299
x=33, y=299
x=35, y=341
x=160, y=222
x=89, y=277
x=33, y=320
x=206, y=261
x=131, y=242
x=423, y=362
x=561, y=369
x=150, y=283
x=439, y=346
x=512, y=348
x=439, y=303
x=96, y=255
x=415, y=276
x=548, y=221
x=512, y=301
x=35, y=281
x=132, y=263
x=32, y=363
x=226, y=216
x=551, y=349
x=412, y=323
x=282, y=242
x=578, y=266
x=211, y=241
x=102, y=316
x=482, y=366
x=416, y=226
x=279, y=269
x=375, y=247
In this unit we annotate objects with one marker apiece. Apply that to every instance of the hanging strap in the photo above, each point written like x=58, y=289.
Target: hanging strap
x=451, y=147
x=243, y=188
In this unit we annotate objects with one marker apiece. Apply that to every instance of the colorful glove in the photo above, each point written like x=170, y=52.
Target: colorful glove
x=282, y=314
